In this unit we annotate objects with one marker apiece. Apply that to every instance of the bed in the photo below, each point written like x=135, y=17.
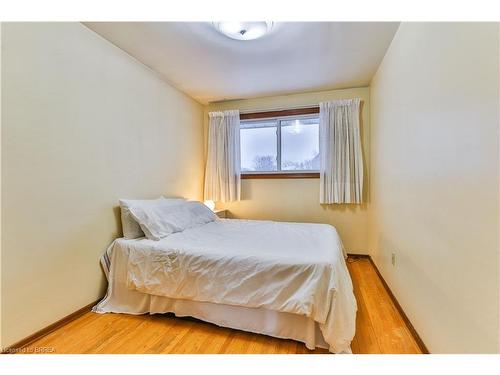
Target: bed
x=286, y=280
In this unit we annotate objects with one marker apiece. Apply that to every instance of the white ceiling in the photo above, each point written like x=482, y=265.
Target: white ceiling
x=294, y=57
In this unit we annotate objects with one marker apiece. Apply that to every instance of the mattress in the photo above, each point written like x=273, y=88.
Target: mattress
x=292, y=274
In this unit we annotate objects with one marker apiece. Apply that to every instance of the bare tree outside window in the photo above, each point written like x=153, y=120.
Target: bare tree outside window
x=264, y=163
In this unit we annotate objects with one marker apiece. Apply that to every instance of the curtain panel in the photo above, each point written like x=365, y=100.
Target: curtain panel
x=341, y=156
x=222, y=173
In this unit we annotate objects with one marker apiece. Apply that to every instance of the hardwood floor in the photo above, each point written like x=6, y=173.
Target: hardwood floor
x=379, y=329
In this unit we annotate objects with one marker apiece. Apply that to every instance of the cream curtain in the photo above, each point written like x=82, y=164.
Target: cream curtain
x=341, y=156
x=222, y=173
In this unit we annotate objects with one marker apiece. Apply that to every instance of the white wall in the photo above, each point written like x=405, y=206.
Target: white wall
x=435, y=181
x=0, y=186
x=498, y=222
x=298, y=199
x=83, y=124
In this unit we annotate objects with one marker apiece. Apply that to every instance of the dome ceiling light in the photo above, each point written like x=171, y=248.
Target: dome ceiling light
x=243, y=30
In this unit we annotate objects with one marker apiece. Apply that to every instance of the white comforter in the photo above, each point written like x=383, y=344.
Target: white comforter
x=286, y=267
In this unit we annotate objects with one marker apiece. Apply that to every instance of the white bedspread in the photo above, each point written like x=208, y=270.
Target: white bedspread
x=286, y=267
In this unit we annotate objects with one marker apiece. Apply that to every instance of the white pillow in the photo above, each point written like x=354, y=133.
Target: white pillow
x=130, y=227
x=160, y=220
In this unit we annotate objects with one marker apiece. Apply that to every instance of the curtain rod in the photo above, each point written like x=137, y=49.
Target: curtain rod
x=272, y=109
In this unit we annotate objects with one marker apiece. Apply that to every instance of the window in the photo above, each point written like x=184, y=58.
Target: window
x=300, y=144
x=280, y=146
x=258, y=141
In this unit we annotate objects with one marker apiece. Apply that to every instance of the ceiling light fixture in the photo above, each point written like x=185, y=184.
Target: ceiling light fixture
x=243, y=30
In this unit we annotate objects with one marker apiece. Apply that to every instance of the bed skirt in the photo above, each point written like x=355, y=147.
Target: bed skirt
x=262, y=321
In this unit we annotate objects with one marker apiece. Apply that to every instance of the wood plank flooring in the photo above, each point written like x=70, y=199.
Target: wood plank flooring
x=379, y=329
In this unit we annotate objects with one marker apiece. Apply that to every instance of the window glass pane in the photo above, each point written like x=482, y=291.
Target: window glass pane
x=258, y=146
x=300, y=144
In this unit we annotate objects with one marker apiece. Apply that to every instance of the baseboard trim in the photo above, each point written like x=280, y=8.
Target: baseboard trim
x=49, y=329
x=407, y=321
x=358, y=256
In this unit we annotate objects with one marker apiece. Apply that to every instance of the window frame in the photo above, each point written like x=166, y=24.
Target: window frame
x=278, y=116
